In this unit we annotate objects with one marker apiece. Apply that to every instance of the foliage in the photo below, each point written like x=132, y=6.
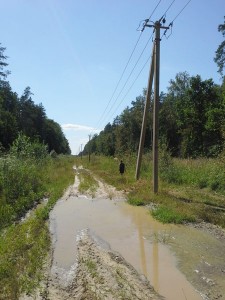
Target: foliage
x=21, y=188
x=21, y=115
x=3, y=64
x=191, y=122
x=22, y=250
x=167, y=215
x=190, y=189
x=220, y=52
x=87, y=182
x=23, y=147
x=24, y=244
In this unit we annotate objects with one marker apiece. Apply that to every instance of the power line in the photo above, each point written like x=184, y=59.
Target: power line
x=127, y=65
x=131, y=86
x=181, y=10
x=144, y=25
x=120, y=77
x=171, y=23
x=129, y=76
x=154, y=9
x=167, y=10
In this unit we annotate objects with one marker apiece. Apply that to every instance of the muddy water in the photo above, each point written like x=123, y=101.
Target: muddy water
x=145, y=243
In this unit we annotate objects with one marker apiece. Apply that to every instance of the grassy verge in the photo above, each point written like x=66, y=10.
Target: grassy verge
x=24, y=245
x=189, y=190
x=87, y=182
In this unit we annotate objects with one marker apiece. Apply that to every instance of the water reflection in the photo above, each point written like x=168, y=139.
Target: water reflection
x=130, y=231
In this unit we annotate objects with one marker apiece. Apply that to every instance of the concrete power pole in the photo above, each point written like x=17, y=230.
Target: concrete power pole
x=146, y=110
x=155, y=64
x=156, y=108
x=89, y=150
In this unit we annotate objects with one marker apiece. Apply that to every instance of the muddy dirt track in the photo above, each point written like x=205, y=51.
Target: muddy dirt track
x=101, y=259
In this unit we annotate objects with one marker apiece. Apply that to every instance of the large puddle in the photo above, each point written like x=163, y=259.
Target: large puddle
x=145, y=243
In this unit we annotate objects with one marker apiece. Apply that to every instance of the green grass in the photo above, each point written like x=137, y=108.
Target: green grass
x=24, y=245
x=87, y=182
x=190, y=189
x=168, y=215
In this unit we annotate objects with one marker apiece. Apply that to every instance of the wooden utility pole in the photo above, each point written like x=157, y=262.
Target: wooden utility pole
x=146, y=110
x=154, y=70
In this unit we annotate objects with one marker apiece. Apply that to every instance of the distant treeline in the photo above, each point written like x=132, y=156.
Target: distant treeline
x=191, y=121
x=21, y=115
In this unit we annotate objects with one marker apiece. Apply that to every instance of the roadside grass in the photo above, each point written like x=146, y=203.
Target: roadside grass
x=24, y=245
x=87, y=182
x=189, y=190
x=168, y=215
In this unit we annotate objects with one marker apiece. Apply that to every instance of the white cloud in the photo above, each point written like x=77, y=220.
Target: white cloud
x=77, y=127
x=78, y=135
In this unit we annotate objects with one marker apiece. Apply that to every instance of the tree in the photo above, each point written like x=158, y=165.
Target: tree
x=54, y=138
x=192, y=117
x=31, y=116
x=3, y=64
x=220, y=52
x=8, y=115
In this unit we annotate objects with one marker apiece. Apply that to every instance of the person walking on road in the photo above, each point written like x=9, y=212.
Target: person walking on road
x=122, y=167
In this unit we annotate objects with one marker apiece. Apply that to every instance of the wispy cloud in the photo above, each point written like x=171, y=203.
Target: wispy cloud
x=77, y=127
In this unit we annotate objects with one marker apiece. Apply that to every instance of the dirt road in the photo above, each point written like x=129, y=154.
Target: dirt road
x=102, y=273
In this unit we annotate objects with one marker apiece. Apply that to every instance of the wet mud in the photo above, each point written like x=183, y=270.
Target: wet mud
x=180, y=262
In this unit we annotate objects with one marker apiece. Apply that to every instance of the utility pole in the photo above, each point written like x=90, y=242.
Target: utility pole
x=156, y=108
x=81, y=150
x=146, y=110
x=155, y=65
x=89, y=154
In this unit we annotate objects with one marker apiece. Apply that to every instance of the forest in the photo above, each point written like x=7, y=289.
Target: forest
x=20, y=115
x=191, y=121
x=191, y=118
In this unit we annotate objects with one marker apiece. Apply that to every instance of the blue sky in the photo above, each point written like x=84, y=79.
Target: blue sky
x=72, y=54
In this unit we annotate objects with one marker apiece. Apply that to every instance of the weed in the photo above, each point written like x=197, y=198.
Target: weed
x=162, y=237
x=92, y=267
x=24, y=245
x=87, y=182
x=168, y=215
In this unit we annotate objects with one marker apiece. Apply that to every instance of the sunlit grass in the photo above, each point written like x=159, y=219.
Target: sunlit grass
x=189, y=189
x=87, y=182
x=24, y=245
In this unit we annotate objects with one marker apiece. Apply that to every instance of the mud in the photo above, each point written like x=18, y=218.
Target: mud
x=104, y=248
x=102, y=274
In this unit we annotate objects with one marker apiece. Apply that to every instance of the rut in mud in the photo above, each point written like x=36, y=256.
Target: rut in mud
x=102, y=274
x=101, y=245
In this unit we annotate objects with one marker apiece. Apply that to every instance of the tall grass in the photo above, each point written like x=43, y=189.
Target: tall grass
x=24, y=245
x=191, y=189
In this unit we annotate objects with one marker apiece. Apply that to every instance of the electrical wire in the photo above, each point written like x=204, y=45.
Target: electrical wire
x=129, y=76
x=155, y=9
x=171, y=23
x=167, y=10
x=130, y=87
x=181, y=11
x=135, y=46
x=120, y=78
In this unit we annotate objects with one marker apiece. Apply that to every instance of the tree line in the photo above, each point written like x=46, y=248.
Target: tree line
x=191, y=118
x=191, y=121
x=20, y=115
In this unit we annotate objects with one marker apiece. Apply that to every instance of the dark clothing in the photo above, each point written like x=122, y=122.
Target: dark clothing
x=122, y=168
